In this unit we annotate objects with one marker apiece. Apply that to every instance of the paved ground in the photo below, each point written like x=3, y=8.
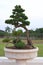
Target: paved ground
x=36, y=61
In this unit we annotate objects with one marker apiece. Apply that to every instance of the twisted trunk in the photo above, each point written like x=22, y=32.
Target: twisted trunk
x=27, y=34
x=29, y=42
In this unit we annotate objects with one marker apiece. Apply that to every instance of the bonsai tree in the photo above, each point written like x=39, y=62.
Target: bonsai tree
x=19, y=19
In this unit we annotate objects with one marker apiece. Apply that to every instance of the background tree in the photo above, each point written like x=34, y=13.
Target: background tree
x=2, y=33
x=39, y=32
x=7, y=30
x=19, y=19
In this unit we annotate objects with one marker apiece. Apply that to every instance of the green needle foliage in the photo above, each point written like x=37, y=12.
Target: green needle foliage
x=18, y=17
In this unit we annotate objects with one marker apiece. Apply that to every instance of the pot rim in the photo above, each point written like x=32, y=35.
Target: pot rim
x=21, y=50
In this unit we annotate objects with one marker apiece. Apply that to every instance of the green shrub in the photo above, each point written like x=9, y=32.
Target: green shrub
x=20, y=45
x=14, y=41
x=6, y=40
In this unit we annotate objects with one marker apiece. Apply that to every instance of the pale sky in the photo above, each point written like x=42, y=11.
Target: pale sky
x=33, y=9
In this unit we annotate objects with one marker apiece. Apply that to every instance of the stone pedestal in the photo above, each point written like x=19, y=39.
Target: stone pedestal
x=21, y=62
x=35, y=61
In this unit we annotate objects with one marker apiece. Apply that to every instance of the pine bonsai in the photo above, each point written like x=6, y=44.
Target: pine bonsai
x=19, y=19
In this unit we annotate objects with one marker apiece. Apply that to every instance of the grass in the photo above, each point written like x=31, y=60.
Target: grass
x=2, y=45
x=40, y=52
x=38, y=43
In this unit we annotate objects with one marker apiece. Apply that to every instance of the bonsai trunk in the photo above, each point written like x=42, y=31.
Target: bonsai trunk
x=29, y=42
